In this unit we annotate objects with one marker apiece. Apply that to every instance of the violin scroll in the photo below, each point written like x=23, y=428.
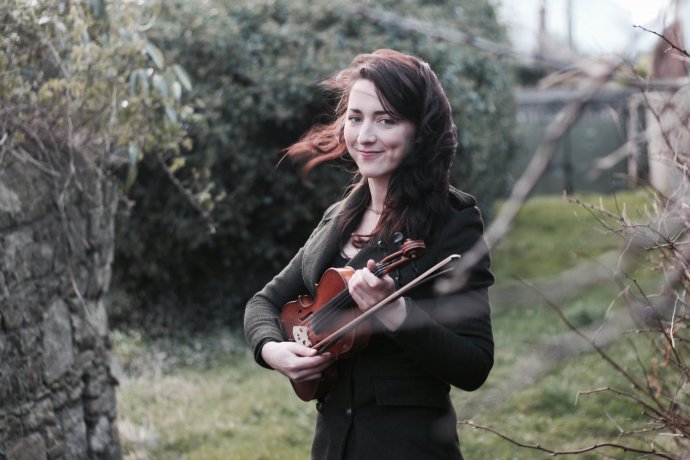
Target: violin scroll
x=409, y=251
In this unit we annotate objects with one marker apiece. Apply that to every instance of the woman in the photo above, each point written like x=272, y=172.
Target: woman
x=390, y=400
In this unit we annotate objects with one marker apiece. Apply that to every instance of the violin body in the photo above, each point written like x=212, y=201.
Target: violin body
x=332, y=321
x=308, y=320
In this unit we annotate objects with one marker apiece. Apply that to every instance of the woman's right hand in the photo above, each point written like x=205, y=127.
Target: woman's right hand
x=297, y=362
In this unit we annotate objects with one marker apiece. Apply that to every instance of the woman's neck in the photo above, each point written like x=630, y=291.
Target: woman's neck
x=378, y=190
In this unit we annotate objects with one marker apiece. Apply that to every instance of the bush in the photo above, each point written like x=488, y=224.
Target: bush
x=255, y=68
x=79, y=79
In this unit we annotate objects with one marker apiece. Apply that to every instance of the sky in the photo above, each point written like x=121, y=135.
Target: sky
x=643, y=11
x=598, y=27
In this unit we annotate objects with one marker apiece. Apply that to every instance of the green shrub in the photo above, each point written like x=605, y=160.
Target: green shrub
x=80, y=84
x=256, y=66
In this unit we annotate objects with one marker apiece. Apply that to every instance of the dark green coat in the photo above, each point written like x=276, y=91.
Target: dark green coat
x=391, y=400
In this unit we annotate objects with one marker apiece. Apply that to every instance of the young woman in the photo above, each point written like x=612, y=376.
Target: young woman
x=391, y=399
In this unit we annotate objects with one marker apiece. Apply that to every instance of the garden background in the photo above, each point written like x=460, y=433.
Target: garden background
x=143, y=200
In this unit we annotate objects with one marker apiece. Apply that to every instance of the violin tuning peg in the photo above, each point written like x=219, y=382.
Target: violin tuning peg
x=398, y=239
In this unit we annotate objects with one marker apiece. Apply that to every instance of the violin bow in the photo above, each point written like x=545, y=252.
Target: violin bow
x=323, y=345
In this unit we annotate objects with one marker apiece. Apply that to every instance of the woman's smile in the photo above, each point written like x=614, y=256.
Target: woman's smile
x=368, y=153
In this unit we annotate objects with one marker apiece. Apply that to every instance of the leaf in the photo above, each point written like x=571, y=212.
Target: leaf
x=178, y=162
x=133, y=166
x=155, y=54
x=182, y=77
x=170, y=113
x=60, y=26
x=139, y=77
x=176, y=90
x=160, y=85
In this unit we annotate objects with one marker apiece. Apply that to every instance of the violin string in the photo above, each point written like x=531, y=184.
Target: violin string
x=341, y=304
x=337, y=303
x=330, y=309
x=331, y=306
x=327, y=312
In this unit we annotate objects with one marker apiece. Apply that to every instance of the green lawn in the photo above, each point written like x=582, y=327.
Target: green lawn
x=204, y=398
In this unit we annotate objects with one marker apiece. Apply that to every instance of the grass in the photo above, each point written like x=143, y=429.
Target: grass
x=204, y=398
x=553, y=412
x=215, y=404
x=552, y=234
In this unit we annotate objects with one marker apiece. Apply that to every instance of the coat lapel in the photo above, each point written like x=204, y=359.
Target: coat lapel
x=319, y=252
x=366, y=253
x=321, y=249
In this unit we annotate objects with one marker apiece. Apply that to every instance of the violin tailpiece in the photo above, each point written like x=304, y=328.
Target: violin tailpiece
x=299, y=333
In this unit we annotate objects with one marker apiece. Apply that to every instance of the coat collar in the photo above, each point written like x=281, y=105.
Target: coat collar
x=323, y=245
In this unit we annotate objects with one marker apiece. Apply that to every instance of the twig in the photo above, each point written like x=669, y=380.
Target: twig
x=210, y=224
x=673, y=45
x=22, y=155
x=554, y=453
x=601, y=353
x=524, y=186
x=612, y=159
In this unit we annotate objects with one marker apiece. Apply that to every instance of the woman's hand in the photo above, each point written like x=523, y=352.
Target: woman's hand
x=296, y=361
x=368, y=290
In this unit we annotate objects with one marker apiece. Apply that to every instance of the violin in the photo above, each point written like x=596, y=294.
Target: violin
x=329, y=320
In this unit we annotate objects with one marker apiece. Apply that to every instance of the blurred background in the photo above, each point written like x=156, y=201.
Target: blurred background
x=174, y=116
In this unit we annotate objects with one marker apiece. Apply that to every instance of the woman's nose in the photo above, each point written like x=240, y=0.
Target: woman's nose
x=366, y=134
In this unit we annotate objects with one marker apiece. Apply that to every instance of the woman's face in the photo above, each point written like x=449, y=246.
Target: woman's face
x=375, y=139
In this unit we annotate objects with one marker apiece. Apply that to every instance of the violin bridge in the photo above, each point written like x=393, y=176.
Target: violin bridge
x=299, y=333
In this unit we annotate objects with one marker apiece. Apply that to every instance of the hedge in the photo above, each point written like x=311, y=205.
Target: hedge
x=255, y=68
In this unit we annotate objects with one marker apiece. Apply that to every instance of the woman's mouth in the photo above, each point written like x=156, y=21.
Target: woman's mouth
x=368, y=153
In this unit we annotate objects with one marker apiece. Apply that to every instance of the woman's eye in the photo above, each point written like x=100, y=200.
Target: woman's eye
x=387, y=121
x=354, y=119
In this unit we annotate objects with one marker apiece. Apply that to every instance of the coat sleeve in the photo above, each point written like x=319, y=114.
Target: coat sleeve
x=450, y=335
x=262, y=312
x=261, y=315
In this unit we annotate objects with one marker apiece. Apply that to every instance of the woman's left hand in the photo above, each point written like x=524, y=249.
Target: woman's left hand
x=368, y=290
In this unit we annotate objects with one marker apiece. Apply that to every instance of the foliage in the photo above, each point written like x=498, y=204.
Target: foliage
x=81, y=84
x=256, y=67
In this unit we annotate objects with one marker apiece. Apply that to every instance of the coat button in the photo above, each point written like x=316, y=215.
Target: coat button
x=319, y=406
x=348, y=411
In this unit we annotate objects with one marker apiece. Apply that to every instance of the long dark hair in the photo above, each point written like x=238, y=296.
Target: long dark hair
x=417, y=198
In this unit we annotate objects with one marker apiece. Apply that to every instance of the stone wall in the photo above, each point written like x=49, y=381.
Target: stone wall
x=57, y=390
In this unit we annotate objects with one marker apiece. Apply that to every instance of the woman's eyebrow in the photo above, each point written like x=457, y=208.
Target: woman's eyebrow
x=378, y=112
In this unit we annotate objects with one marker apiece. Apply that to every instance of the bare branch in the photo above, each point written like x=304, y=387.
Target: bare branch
x=671, y=44
x=210, y=224
x=566, y=452
x=524, y=186
x=639, y=387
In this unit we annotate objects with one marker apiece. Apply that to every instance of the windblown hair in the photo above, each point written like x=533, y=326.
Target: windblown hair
x=417, y=199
